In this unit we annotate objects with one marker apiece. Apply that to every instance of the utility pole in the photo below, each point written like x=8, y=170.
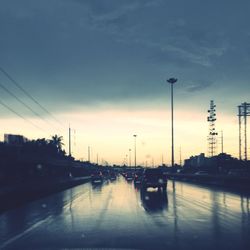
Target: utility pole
x=135, y=149
x=172, y=81
x=89, y=154
x=69, y=141
x=129, y=157
x=97, y=158
x=245, y=130
x=239, y=115
x=180, y=157
x=222, y=142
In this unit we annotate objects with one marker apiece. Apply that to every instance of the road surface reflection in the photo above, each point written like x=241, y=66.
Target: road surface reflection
x=119, y=215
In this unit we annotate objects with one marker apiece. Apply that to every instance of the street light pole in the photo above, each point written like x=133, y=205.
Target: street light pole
x=69, y=140
x=172, y=81
x=135, y=149
x=89, y=154
x=222, y=142
x=129, y=157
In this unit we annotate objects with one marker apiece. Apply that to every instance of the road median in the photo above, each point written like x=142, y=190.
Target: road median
x=217, y=180
x=16, y=195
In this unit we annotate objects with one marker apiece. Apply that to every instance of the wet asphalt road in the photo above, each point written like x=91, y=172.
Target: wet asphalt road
x=117, y=215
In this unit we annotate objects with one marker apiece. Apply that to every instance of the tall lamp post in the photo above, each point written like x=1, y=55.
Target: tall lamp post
x=172, y=81
x=135, y=149
x=129, y=157
x=69, y=140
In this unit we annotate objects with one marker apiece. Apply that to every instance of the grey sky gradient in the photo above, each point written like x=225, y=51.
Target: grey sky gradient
x=73, y=53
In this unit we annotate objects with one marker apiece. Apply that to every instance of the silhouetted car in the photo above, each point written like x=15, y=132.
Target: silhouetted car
x=154, y=178
x=105, y=174
x=97, y=177
x=129, y=176
x=138, y=177
x=154, y=201
x=112, y=176
x=201, y=173
x=239, y=173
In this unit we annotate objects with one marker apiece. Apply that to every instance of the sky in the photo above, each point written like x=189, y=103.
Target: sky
x=102, y=66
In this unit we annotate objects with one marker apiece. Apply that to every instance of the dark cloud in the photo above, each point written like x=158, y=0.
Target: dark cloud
x=199, y=86
x=194, y=44
x=76, y=52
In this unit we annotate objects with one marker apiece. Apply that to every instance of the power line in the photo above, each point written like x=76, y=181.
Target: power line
x=16, y=113
x=29, y=95
x=22, y=102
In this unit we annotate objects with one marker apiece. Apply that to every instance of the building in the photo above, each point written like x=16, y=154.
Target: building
x=14, y=139
x=219, y=162
x=195, y=161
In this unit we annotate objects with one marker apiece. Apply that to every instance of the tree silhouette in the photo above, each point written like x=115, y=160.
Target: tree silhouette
x=57, y=141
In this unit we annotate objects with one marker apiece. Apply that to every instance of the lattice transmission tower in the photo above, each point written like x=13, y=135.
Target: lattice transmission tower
x=243, y=113
x=212, y=135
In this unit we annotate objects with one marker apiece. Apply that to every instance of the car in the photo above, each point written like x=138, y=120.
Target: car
x=153, y=201
x=129, y=176
x=201, y=173
x=138, y=177
x=105, y=174
x=239, y=173
x=112, y=176
x=180, y=171
x=97, y=177
x=154, y=177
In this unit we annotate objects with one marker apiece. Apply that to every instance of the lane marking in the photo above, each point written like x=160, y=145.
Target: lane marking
x=36, y=225
x=39, y=223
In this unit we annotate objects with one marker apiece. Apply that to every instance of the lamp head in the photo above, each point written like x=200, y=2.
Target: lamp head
x=172, y=80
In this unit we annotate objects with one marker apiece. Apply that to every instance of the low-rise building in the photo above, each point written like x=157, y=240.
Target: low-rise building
x=196, y=161
x=14, y=139
x=219, y=162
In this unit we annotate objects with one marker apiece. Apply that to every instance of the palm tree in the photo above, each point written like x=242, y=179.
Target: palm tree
x=57, y=141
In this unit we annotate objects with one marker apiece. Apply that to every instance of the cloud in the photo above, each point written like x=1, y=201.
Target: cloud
x=195, y=87
x=130, y=22
x=92, y=51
